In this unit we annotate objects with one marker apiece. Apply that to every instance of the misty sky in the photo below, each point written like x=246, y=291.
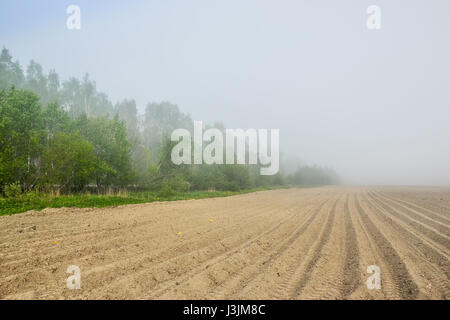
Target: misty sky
x=374, y=105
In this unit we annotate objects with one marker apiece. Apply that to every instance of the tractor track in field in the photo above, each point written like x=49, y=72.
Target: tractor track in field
x=352, y=278
x=404, y=284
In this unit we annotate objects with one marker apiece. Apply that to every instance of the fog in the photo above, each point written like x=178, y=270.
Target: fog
x=372, y=104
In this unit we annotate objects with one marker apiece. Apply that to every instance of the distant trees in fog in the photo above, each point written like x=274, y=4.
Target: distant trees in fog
x=68, y=135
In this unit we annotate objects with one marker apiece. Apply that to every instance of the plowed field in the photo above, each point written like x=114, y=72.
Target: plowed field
x=285, y=244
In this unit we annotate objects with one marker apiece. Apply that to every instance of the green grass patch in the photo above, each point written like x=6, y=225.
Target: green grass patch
x=39, y=201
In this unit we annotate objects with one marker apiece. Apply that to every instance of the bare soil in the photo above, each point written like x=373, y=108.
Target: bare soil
x=285, y=244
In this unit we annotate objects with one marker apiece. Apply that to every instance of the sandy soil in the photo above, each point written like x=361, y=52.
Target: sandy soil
x=285, y=244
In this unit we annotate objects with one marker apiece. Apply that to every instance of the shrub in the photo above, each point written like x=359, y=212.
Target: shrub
x=166, y=191
x=13, y=190
x=70, y=162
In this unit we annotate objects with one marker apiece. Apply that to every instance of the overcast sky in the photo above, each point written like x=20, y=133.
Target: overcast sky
x=373, y=104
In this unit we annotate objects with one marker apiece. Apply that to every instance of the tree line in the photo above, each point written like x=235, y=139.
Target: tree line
x=68, y=135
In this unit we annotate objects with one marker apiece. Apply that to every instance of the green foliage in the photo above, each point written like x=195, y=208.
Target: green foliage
x=112, y=149
x=166, y=191
x=69, y=162
x=46, y=86
x=13, y=190
x=42, y=147
x=82, y=97
x=160, y=120
x=127, y=112
x=21, y=137
x=11, y=73
x=55, y=120
x=39, y=201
